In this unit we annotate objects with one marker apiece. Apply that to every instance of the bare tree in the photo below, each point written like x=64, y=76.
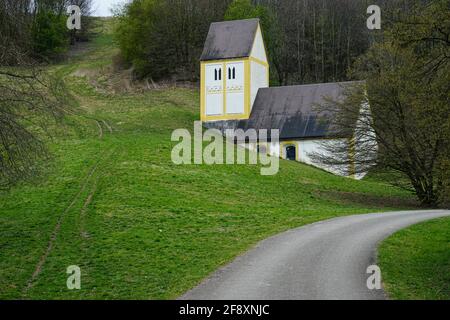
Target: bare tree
x=29, y=97
x=409, y=117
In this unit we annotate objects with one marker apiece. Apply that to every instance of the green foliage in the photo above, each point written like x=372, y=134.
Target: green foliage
x=141, y=227
x=162, y=38
x=134, y=33
x=244, y=9
x=407, y=74
x=50, y=34
x=307, y=41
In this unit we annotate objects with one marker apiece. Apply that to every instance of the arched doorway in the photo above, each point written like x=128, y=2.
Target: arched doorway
x=291, y=153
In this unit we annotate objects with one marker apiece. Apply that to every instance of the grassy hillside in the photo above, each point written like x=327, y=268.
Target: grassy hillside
x=416, y=262
x=112, y=202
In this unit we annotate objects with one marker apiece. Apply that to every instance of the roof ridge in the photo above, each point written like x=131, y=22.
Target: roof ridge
x=237, y=20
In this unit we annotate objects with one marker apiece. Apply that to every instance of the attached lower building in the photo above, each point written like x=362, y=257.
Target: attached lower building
x=235, y=94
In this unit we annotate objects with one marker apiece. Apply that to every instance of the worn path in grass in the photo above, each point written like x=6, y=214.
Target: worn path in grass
x=324, y=260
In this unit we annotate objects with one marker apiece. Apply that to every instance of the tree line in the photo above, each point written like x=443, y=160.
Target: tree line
x=308, y=41
x=36, y=29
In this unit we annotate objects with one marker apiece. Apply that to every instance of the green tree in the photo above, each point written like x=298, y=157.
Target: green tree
x=164, y=38
x=32, y=99
x=50, y=34
x=244, y=9
x=407, y=85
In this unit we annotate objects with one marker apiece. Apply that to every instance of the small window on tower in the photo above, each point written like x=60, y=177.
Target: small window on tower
x=215, y=74
x=234, y=73
x=220, y=74
x=229, y=73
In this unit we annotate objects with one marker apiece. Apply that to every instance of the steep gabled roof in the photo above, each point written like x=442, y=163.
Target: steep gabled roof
x=230, y=39
x=294, y=110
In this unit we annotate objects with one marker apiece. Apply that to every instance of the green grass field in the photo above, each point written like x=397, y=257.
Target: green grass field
x=415, y=262
x=112, y=202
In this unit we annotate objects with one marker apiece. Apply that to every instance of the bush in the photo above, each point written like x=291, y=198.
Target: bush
x=163, y=38
x=49, y=34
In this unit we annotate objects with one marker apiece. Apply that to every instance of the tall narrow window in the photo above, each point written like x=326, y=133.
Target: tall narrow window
x=229, y=73
x=234, y=73
x=220, y=74
x=215, y=74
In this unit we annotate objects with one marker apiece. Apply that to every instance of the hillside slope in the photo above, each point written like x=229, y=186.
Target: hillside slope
x=138, y=226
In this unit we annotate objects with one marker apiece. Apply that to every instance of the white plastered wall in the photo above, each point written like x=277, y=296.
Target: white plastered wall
x=259, y=80
x=214, y=89
x=304, y=150
x=235, y=87
x=309, y=147
x=259, y=72
x=366, y=146
x=258, y=50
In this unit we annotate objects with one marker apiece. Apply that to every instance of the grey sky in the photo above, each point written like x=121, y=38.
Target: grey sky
x=102, y=8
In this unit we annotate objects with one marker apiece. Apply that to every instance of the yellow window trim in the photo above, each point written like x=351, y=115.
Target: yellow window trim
x=284, y=144
x=224, y=90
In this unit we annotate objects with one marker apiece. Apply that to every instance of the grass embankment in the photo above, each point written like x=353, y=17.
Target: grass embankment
x=415, y=262
x=140, y=227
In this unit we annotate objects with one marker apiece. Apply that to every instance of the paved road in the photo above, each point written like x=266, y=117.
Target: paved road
x=324, y=260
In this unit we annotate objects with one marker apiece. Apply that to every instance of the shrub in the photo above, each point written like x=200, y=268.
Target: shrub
x=49, y=34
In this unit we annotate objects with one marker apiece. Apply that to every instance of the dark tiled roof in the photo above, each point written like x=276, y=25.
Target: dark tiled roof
x=230, y=39
x=294, y=110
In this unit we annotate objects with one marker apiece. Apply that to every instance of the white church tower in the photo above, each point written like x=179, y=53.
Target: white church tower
x=234, y=66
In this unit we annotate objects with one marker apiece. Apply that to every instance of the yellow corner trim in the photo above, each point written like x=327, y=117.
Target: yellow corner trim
x=202, y=92
x=225, y=117
x=224, y=89
x=224, y=60
x=265, y=64
x=247, y=94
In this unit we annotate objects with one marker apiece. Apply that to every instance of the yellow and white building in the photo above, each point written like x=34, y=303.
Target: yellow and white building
x=234, y=66
x=235, y=94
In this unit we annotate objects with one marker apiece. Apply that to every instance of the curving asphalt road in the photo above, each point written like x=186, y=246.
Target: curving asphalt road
x=324, y=260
